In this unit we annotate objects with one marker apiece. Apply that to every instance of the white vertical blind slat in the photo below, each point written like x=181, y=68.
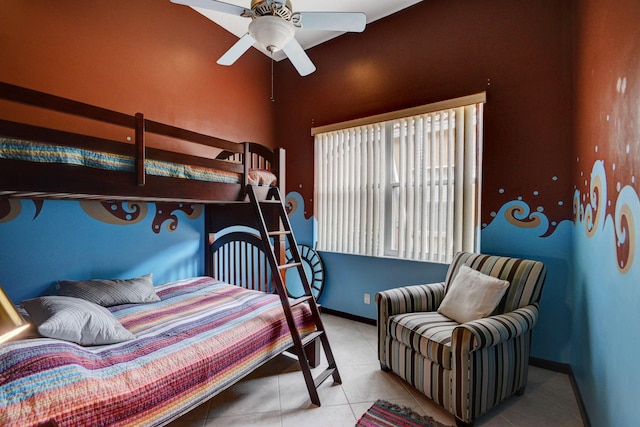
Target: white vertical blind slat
x=402, y=166
x=319, y=163
x=369, y=232
x=425, y=188
x=451, y=168
x=342, y=194
x=361, y=222
x=442, y=149
x=378, y=173
x=471, y=183
x=433, y=211
x=458, y=215
x=417, y=188
x=349, y=184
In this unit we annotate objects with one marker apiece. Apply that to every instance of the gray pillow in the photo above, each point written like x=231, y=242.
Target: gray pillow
x=75, y=320
x=111, y=292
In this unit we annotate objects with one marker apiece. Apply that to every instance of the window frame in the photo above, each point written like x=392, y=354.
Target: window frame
x=387, y=120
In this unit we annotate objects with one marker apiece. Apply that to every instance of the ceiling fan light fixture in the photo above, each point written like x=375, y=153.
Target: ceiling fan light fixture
x=274, y=26
x=272, y=32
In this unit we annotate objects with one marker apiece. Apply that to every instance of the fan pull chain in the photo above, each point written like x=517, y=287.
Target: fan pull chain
x=272, y=98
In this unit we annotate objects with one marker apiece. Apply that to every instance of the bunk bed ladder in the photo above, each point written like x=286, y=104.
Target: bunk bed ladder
x=274, y=200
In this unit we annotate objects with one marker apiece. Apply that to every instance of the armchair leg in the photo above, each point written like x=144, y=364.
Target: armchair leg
x=460, y=423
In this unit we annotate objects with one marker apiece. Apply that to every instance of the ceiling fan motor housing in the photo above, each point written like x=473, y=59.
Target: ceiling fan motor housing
x=272, y=32
x=281, y=8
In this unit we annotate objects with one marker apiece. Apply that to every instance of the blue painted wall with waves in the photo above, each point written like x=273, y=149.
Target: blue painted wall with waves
x=45, y=241
x=606, y=294
x=515, y=230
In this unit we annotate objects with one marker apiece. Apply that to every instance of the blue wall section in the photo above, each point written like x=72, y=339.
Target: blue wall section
x=606, y=301
x=349, y=277
x=521, y=237
x=64, y=242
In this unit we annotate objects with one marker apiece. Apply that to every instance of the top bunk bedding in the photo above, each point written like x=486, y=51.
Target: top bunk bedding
x=30, y=151
x=37, y=161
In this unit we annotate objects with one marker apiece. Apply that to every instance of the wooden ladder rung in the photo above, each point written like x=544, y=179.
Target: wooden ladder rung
x=323, y=376
x=278, y=233
x=311, y=337
x=300, y=300
x=287, y=266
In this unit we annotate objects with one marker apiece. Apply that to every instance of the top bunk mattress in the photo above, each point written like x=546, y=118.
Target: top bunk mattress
x=31, y=151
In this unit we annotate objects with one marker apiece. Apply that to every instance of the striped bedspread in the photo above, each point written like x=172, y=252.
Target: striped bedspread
x=202, y=336
x=16, y=149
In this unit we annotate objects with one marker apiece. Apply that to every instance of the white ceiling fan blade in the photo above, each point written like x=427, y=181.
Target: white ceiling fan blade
x=214, y=5
x=236, y=51
x=333, y=21
x=299, y=58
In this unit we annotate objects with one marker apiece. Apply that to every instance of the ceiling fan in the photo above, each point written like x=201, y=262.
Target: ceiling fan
x=273, y=24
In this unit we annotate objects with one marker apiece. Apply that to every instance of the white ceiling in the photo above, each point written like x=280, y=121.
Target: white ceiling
x=374, y=9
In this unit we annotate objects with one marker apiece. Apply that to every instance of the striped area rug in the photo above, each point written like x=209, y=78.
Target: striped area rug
x=385, y=414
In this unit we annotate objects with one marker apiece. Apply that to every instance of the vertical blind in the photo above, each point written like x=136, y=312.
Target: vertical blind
x=405, y=188
x=349, y=195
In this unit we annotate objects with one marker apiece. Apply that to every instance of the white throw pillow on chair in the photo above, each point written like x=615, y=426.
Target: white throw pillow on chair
x=472, y=295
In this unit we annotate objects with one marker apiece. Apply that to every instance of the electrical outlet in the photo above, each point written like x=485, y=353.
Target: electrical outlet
x=367, y=298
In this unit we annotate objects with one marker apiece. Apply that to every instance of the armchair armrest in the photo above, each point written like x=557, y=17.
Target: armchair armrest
x=487, y=332
x=491, y=357
x=409, y=299
x=406, y=299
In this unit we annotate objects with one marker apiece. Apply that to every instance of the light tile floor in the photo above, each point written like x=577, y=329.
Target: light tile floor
x=275, y=395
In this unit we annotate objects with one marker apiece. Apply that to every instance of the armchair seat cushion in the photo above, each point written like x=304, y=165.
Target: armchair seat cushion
x=428, y=333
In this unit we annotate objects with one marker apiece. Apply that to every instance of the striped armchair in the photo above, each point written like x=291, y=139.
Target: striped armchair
x=466, y=368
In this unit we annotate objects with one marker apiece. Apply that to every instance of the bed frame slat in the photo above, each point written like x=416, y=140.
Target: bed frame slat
x=140, y=149
x=238, y=258
x=57, y=103
x=187, y=135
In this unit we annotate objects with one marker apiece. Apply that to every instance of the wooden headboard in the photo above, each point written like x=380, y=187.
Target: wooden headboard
x=238, y=258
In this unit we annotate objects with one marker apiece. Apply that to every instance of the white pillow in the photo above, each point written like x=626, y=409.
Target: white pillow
x=111, y=292
x=75, y=320
x=472, y=295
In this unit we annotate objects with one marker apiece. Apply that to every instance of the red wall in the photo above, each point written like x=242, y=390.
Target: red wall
x=149, y=56
x=608, y=96
x=159, y=58
x=518, y=52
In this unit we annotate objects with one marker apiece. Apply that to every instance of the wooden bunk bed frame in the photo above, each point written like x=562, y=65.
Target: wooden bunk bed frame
x=226, y=204
x=19, y=178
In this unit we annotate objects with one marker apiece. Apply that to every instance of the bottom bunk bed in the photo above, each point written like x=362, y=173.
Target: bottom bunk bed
x=197, y=338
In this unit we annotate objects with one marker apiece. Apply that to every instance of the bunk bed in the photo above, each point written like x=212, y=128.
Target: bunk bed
x=117, y=160
x=179, y=355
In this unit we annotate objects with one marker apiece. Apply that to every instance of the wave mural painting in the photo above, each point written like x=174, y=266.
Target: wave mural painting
x=594, y=210
x=518, y=230
x=50, y=240
x=605, y=297
x=116, y=213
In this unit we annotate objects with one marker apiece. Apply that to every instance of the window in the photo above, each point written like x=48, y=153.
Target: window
x=403, y=184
